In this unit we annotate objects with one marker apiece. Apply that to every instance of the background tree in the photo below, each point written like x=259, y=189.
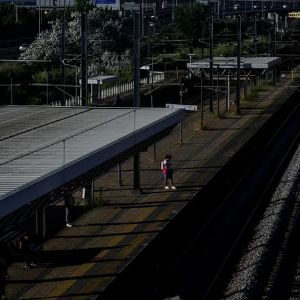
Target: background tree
x=104, y=35
x=27, y=22
x=192, y=21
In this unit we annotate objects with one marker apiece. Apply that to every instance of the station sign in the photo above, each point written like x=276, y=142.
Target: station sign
x=113, y=4
x=182, y=106
x=55, y=3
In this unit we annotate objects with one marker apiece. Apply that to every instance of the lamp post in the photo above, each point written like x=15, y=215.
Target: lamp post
x=136, y=62
x=201, y=100
x=285, y=18
x=190, y=60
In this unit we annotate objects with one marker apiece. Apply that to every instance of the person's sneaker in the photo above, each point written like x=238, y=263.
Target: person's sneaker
x=166, y=187
x=68, y=225
x=33, y=265
x=26, y=267
x=173, y=187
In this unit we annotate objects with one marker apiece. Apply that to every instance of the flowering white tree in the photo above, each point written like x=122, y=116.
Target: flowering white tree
x=46, y=45
x=104, y=32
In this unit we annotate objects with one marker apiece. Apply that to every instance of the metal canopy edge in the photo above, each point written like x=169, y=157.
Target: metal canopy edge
x=31, y=191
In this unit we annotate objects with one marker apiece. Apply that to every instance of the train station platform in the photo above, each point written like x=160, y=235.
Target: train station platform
x=83, y=261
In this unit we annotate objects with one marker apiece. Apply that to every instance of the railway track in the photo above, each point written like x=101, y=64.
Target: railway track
x=267, y=263
x=221, y=242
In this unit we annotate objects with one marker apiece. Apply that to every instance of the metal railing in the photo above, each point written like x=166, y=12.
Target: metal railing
x=113, y=91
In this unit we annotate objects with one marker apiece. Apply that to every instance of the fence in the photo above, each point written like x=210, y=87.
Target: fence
x=118, y=89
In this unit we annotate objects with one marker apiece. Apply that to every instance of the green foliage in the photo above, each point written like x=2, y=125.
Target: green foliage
x=17, y=72
x=84, y=5
x=7, y=14
x=224, y=49
x=192, y=21
x=126, y=73
x=24, y=75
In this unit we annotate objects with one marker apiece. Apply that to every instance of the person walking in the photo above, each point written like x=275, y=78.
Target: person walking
x=3, y=277
x=69, y=203
x=4, y=255
x=166, y=167
x=29, y=250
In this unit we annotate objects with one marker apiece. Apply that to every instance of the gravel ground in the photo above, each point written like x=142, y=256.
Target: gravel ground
x=246, y=277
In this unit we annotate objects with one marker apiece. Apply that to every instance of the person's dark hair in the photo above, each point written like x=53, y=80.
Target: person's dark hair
x=168, y=156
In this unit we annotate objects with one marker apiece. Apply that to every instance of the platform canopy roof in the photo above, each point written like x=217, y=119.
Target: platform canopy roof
x=42, y=148
x=231, y=63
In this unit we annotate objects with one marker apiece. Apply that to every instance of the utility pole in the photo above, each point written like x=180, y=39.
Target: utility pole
x=218, y=99
x=201, y=101
x=173, y=10
x=152, y=73
x=17, y=15
x=84, y=58
x=275, y=46
x=148, y=50
x=136, y=88
x=238, y=71
x=63, y=23
x=211, y=38
x=255, y=36
x=142, y=20
x=136, y=58
x=39, y=18
x=223, y=9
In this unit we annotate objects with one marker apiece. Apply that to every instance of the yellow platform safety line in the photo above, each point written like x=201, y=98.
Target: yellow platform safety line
x=93, y=284
x=60, y=289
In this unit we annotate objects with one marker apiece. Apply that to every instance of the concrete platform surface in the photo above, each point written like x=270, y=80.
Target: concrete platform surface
x=79, y=262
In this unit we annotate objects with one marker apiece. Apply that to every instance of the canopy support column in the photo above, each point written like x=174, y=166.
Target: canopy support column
x=136, y=171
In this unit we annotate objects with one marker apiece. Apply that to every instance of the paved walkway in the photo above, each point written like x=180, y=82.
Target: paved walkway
x=79, y=262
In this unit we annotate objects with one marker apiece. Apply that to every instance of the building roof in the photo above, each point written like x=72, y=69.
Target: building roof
x=44, y=147
x=102, y=79
x=231, y=63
